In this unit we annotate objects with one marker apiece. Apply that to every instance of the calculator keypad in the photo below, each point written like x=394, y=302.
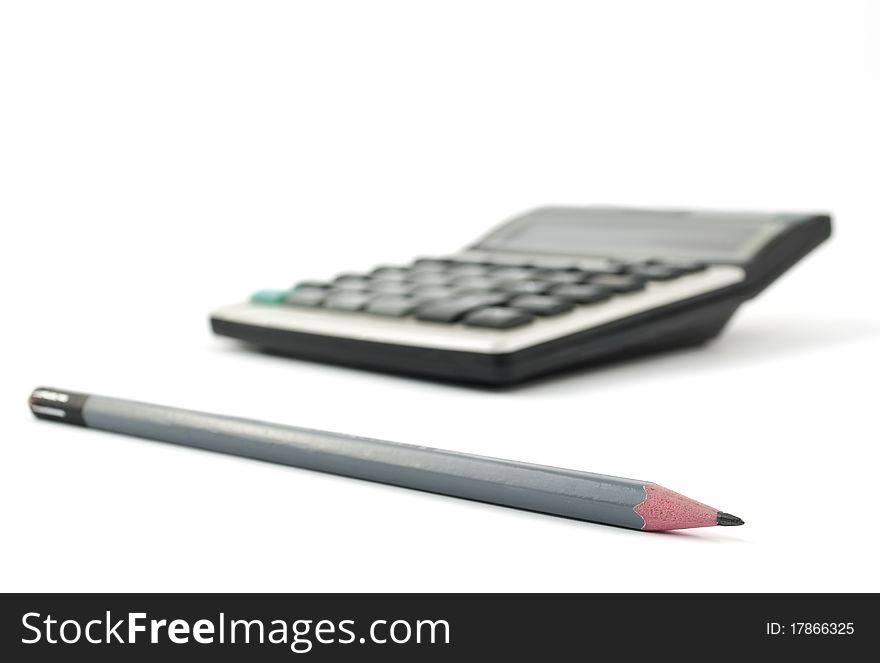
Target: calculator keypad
x=475, y=294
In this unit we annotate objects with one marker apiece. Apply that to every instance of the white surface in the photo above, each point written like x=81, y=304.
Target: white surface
x=410, y=331
x=160, y=159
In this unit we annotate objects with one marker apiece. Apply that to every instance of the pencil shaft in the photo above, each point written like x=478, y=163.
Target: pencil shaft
x=561, y=492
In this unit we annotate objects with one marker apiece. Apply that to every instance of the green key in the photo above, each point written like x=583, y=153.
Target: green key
x=269, y=296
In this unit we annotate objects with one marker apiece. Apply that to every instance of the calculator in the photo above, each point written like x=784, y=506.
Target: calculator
x=549, y=290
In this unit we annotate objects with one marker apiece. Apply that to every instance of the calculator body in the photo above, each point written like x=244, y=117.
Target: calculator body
x=549, y=290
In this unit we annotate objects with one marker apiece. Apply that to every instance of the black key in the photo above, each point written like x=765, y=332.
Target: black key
x=390, y=273
x=312, y=284
x=304, y=295
x=524, y=287
x=429, y=278
x=453, y=308
x=467, y=269
x=618, y=282
x=426, y=292
x=656, y=272
x=497, y=317
x=514, y=272
x=541, y=305
x=347, y=300
x=392, y=305
x=482, y=292
x=390, y=287
x=581, y=293
x=610, y=268
x=562, y=275
x=431, y=264
x=351, y=282
x=474, y=282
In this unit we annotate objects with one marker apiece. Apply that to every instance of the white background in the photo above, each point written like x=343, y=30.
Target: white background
x=159, y=159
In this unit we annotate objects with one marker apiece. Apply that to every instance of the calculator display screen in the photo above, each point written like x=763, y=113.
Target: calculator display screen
x=637, y=234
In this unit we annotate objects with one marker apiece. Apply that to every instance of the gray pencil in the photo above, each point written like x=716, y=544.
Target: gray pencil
x=581, y=495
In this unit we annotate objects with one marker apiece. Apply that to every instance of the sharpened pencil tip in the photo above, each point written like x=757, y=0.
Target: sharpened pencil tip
x=728, y=520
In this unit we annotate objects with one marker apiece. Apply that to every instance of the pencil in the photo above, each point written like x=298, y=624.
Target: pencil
x=584, y=496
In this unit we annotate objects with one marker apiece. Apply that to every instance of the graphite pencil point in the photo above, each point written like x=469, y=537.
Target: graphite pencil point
x=728, y=520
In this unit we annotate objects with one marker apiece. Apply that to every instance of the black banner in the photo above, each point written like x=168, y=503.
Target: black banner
x=319, y=627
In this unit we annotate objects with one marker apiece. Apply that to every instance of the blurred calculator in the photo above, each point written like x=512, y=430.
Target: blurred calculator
x=552, y=289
